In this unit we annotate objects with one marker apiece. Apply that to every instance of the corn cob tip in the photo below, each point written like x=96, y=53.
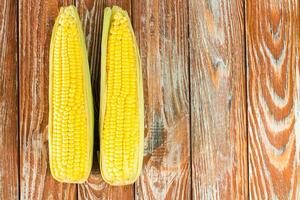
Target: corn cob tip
x=70, y=9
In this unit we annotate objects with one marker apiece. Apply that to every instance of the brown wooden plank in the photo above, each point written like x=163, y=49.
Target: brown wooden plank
x=218, y=96
x=91, y=13
x=161, y=27
x=274, y=112
x=9, y=169
x=36, y=19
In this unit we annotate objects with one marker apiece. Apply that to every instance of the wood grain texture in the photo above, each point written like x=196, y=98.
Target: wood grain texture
x=91, y=14
x=218, y=99
x=96, y=189
x=273, y=100
x=9, y=164
x=36, y=19
x=161, y=27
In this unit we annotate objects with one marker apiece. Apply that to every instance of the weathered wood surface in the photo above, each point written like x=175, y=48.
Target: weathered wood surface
x=36, y=19
x=9, y=168
x=199, y=101
x=161, y=28
x=91, y=14
x=218, y=99
x=273, y=99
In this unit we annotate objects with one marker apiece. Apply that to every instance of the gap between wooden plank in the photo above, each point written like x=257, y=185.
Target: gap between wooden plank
x=246, y=92
x=190, y=102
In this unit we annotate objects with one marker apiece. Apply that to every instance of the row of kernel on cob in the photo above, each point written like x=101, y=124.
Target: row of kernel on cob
x=71, y=116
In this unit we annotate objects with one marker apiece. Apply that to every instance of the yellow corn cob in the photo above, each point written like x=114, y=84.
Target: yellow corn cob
x=122, y=102
x=70, y=101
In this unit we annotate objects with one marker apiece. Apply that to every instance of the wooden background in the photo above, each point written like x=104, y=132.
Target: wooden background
x=222, y=99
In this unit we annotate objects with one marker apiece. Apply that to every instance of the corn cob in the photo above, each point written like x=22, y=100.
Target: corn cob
x=121, y=101
x=70, y=101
